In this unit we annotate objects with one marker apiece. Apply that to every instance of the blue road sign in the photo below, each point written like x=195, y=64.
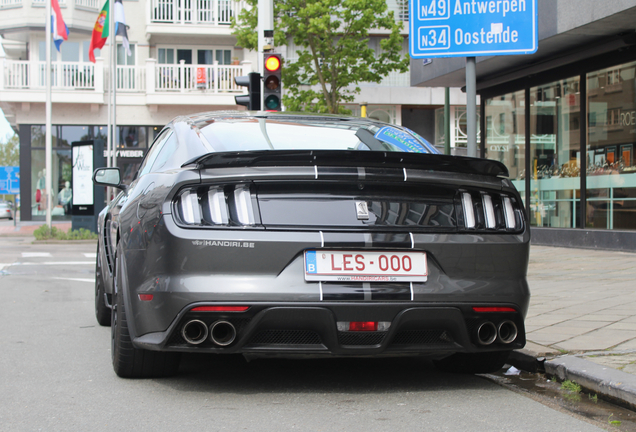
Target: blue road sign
x=470, y=28
x=9, y=180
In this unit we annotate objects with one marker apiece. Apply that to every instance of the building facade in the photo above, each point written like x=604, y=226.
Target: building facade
x=184, y=60
x=563, y=121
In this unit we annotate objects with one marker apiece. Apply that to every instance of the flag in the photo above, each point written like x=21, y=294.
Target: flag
x=100, y=32
x=58, y=27
x=120, y=25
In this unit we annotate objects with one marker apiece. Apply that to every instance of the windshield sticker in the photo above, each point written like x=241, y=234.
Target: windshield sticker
x=400, y=139
x=428, y=145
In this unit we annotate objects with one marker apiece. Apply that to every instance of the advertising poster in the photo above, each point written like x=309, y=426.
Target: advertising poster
x=82, y=175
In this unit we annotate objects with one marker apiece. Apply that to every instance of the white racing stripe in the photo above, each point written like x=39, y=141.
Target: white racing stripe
x=35, y=254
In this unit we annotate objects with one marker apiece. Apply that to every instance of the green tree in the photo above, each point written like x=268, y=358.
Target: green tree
x=334, y=54
x=10, y=152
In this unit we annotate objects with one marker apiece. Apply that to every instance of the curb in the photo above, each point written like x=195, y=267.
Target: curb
x=614, y=385
x=610, y=384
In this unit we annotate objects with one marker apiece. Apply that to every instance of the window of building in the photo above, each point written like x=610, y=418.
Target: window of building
x=609, y=161
x=122, y=56
x=165, y=55
x=507, y=144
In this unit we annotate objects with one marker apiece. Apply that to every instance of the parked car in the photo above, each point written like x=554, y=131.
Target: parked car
x=293, y=234
x=6, y=210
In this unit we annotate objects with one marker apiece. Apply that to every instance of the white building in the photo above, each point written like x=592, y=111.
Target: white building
x=170, y=40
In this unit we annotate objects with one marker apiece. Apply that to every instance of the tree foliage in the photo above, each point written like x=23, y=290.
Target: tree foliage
x=333, y=53
x=10, y=152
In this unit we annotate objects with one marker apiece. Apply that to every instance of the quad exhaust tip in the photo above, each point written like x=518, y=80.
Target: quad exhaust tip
x=486, y=333
x=194, y=332
x=222, y=333
x=507, y=332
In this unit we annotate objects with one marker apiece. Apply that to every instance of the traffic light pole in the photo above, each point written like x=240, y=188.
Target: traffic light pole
x=265, y=22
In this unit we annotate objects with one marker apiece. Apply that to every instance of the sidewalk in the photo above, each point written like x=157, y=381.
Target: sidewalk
x=26, y=228
x=582, y=318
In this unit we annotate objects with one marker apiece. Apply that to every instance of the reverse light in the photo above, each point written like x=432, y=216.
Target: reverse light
x=220, y=309
x=366, y=326
x=509, y=213
x=485, y=309
x=469, y=212
x=243, y=200
x=214, y=206
x=190, y=208
x=489, y=210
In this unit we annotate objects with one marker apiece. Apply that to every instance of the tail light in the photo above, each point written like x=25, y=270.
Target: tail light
x=484, y=211
x=215, y=205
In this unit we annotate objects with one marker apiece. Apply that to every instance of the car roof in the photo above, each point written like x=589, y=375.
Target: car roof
x=202, y=119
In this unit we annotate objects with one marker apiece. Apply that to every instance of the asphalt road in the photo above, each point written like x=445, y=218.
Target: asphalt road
x=55, y=375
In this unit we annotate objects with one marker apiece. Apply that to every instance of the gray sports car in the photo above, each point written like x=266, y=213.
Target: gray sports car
x=309, y=235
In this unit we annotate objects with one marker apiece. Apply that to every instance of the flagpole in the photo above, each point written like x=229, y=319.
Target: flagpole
x=113, y=59
x=49, y=130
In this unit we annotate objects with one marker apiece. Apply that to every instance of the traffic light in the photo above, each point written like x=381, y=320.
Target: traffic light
x=253, y=98
x=272, y=82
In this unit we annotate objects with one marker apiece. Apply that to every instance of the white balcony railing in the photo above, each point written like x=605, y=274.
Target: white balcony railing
x=68, y=75
x=16, y=75
x=25, y=75
x=208, y=12
x=42, y=3
x=10, y=3
x=92, y=4
x=131, y=78
x=400, y=9
x=182, y=77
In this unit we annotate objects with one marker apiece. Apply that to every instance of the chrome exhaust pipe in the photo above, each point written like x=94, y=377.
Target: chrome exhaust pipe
x=194, y=332
x=222, y=333
x=486, y=333
x=507, y=332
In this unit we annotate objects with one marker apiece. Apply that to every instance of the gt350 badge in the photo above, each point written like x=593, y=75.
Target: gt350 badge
x=220, y=243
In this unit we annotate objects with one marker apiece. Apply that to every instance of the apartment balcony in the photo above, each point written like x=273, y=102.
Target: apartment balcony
x=191, y=17
x=150, y=84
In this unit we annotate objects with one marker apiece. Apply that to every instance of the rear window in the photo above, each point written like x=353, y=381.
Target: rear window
x=268, y=134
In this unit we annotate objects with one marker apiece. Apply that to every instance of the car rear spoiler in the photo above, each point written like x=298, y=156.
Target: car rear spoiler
x=431, y=162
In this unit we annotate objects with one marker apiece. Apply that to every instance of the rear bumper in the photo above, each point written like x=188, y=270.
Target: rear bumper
x=311, y=328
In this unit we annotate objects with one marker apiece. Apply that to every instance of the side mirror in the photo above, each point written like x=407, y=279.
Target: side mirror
x=108, y=177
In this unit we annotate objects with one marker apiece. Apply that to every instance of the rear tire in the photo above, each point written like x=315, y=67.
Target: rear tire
x=102, y=312
x=473, y=363
x=128, y=361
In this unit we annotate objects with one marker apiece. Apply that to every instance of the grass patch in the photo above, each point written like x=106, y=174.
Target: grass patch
x=613, y=422
x=44, y=233
x=571, y=386
x=573, y=391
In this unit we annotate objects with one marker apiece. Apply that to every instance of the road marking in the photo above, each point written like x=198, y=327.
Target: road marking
x=90, y=255
x=76, y=279
x=35, y=254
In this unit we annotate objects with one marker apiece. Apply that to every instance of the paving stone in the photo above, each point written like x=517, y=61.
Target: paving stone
x=597, y=340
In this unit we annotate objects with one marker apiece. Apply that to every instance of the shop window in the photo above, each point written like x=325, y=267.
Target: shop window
x=609, y=164
x=505, y=134
x=61, y=184
x=555, y=154
x=132, y=136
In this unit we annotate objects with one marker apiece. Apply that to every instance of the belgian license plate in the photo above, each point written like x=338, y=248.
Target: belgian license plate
x=358, y=266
